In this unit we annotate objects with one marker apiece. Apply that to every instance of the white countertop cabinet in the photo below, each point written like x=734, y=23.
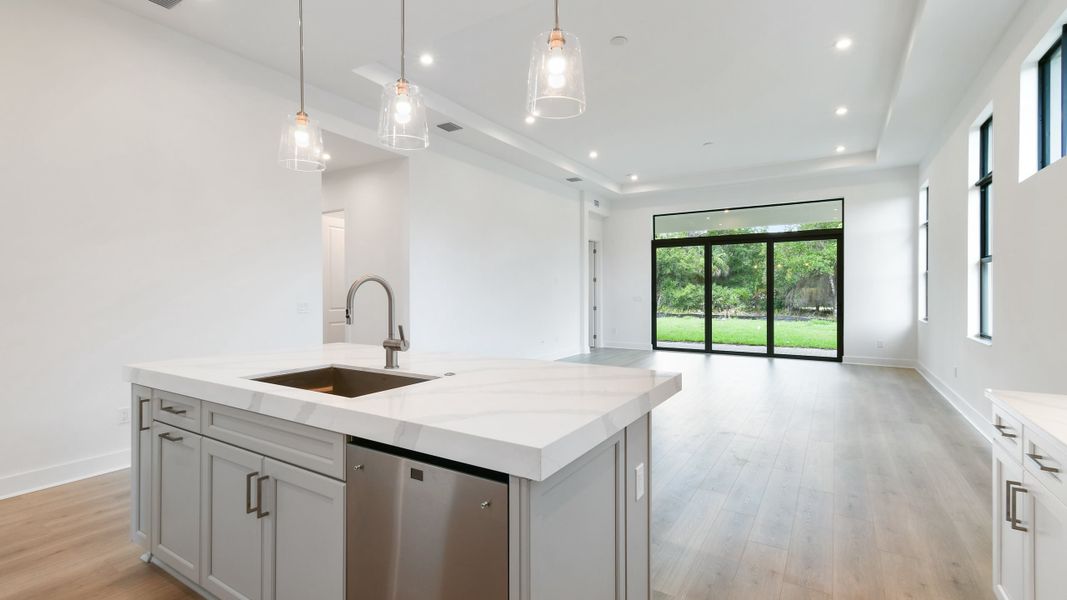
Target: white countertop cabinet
x=1029, y=495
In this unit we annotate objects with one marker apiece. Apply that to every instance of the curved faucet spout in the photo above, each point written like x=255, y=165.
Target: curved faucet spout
x=392, y=345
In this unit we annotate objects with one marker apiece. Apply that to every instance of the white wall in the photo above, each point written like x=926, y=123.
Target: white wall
x=375, y=201
x=142, y=217
x=1029, y=323
x=880, y=259
x=496, y=262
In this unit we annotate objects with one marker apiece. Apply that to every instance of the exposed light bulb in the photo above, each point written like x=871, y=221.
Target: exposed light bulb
x=402, y=109
x=557, y=63
x=556, y=80
x=301, y=137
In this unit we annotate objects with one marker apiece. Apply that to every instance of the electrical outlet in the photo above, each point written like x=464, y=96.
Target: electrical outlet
x=302, y=308
x=124, y=415
x=880, y=344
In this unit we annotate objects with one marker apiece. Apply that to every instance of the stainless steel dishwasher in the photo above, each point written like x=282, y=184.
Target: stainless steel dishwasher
x=423, y=528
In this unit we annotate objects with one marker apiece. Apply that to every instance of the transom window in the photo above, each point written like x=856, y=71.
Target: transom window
x=985, y=214
x=1052, y=130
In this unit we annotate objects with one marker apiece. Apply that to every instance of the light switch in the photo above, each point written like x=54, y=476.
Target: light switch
x=639, y=481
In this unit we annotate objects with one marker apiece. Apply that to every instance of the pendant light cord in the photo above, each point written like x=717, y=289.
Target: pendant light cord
x=403, y=37
x=300, y=21
x=557, y=14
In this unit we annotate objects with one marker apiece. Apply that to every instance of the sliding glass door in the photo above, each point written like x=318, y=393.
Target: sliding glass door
x=739, y=298
x=806, y=297
x=680, y=297
x=763, y=281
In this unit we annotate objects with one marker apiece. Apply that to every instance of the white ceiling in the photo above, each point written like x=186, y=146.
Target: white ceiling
x=759, y=78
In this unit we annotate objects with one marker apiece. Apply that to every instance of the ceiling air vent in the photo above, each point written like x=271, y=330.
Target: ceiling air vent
x=449, y=126
x=574, y=179
x=168, y=4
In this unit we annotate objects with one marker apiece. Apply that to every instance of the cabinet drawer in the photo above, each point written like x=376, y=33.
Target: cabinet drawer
x=177, y=410
x=1008, y=433
x=301, y=445
x=1046, y=460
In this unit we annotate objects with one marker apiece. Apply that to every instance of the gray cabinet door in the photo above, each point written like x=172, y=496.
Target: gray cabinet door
x=231, y=528
x=304, y=549
x=1008, y=573
x=176, y=499
x=141, y=468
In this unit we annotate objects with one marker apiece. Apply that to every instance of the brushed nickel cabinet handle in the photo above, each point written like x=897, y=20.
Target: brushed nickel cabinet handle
x=249, y=509
x=140, y=414
x=172, y=410
x=260, y=513
x=1007, y=498
x=166, y=435
x=1003, y=433
x=1014, y=505
x=1037, y=458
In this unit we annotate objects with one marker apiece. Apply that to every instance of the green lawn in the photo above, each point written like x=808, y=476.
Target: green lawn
x=819, y=334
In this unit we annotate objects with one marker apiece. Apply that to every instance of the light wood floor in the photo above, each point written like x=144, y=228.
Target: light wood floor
x=770, y=479
x=777, y=478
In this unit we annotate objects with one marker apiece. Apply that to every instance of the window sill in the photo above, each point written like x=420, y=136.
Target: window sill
x=981, y=340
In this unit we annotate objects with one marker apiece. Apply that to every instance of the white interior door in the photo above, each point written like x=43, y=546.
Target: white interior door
x=334, y=292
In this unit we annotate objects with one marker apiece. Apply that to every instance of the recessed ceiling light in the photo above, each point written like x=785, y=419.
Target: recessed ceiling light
x=841, y=111
x=839, y=149
x=593, y=154
x=530, y=119
x=325, y=156
x=843, y=44
x=619, y=40
x=633, y=176
x=426, y=59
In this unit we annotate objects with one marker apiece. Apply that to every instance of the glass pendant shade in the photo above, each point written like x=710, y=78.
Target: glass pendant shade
x=301, y=144
x=556, y=84
x=402, y=121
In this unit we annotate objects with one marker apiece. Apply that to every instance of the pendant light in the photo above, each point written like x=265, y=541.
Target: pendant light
x=402, y=121
x=556, y=85
x=301, y=144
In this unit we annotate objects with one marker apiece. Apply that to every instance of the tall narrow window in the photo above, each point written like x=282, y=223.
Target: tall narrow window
x=985, y=213
x=924, y=253
x=1052, y=129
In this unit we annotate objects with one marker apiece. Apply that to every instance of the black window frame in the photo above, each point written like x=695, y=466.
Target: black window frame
x=1044, y=105
x=924, y=235
x=985, y=253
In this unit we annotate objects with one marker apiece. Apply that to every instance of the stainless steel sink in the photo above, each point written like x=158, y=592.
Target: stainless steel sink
x=341, y=381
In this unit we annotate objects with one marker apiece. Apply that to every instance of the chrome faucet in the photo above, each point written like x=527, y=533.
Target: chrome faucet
x=391, y=344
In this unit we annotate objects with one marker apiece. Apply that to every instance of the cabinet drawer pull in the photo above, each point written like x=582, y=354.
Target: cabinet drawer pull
x=1013, y=505
x=260, y=513
x=1037, y=458
x=140, y=414
x=172, y=410
x=249, y=509
x=166, y=435
x=1003, y=433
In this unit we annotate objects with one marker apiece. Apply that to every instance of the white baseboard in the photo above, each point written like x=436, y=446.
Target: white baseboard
x=975, y=418
x=31, y=481
x=879, y=361
x=628, y=345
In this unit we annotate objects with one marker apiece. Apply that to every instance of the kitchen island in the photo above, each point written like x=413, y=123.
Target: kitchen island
x=240, y=473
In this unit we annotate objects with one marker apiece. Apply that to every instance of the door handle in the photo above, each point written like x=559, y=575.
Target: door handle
x=1001, y=428
x=172, y=410
x=140, y=414
x=1037, y=458
x=1013, y=505
x=260, y=513
x=166, y=435
x=249, y=509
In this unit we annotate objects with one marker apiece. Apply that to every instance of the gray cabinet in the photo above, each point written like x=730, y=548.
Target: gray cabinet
x=305, y=533
x=141, y=468
x=231, y=524
x=176, y=499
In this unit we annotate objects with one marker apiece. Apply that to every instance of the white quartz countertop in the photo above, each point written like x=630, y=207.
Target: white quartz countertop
x=527, y=418
x=1046, y=412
